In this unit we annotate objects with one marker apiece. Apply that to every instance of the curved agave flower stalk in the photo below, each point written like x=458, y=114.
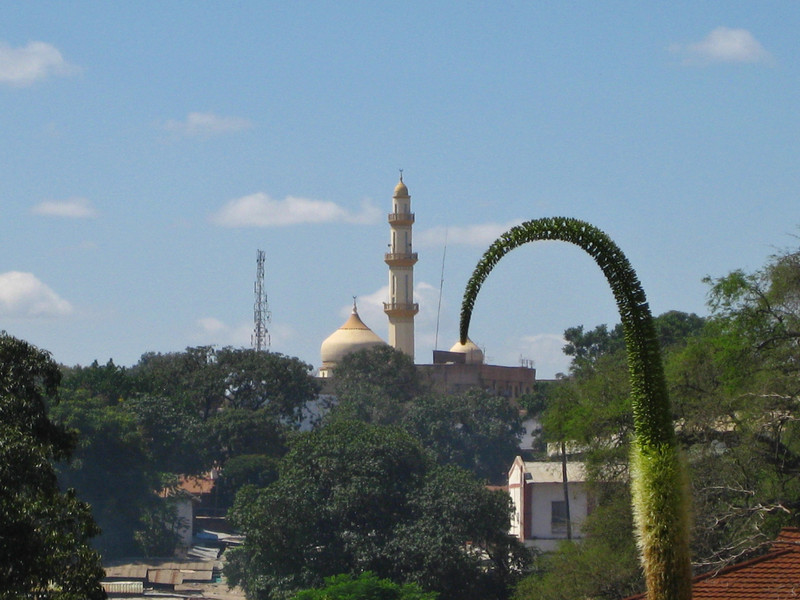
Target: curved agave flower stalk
x=659, y=485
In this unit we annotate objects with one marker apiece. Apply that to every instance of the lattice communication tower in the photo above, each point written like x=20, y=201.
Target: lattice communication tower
x=261, y=314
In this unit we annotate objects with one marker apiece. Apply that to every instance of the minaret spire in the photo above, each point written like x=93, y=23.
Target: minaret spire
x=401, y=307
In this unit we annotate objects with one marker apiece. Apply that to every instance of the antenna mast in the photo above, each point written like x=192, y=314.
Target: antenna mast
x=441, y=287
x=261, y=314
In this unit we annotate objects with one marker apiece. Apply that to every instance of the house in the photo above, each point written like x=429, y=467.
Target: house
x=544, y=514
x=772, y=576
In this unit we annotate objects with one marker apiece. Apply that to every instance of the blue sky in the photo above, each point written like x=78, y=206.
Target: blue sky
x=151, y=148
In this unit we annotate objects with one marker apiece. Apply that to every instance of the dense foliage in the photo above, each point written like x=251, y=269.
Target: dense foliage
x=45, y=533
x=734, y=385
x=476, y=430
x=175, y=414
x=353, y=497
x=366, y=586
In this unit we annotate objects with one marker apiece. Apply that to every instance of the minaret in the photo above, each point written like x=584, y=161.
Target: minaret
x=401, y=307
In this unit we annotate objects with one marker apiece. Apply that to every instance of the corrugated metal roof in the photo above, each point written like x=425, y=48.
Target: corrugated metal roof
x=123, y=587
x=164, y=576
x=197, y=575
x=127, y=571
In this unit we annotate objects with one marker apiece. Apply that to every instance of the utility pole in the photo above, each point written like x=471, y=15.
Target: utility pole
x=261, y=314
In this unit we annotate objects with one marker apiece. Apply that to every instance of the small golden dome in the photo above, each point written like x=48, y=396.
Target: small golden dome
x=400, y=190
x=474, y=354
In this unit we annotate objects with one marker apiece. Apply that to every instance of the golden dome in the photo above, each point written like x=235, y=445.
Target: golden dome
x=400, y=190
x=351, y=337
x=474, y=354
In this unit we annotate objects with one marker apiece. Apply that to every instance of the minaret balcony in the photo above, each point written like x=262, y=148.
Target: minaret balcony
x=400, y=309
x=400, y=259
x=401, y=218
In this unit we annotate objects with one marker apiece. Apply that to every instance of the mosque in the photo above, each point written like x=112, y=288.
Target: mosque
x=453, y=371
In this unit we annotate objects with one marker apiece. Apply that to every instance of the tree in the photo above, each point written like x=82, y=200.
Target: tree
x=367, y=586
x=353, y=497
x=458, y=542
x=476, y=430
x=111, y=449
x=193, y=375
x=210, y=379
x=44, y=544
x=660, y=494
x=739, y=392
x=175, y=436
x=109, y=382
x=270, y=381
x=586, y=348
x=375, y=385
x=248, y=445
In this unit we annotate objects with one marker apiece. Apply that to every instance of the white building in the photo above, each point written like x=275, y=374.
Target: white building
x=540, y=505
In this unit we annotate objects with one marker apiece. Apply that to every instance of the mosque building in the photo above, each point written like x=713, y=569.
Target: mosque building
x=453, y=371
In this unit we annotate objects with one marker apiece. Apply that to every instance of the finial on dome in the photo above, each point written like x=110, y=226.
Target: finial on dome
x=400, y=190
x=355, y=308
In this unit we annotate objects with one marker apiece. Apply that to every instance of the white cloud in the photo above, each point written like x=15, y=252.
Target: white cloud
x=545, y=350
x=370, y=309
x=481, y=235
x=74, y=208
x=204, y=124
x=212, y=331
x=25, y=65
x=723, y=45
x=260, y=210
x=22, y=295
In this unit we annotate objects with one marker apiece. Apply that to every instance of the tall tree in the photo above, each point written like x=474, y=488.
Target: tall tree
x=740, y=394
x=108, y=382
x=353, y=497
x=281, y=385
x=44, y=541
x=211, y=379
x=375, y=385
x=193, y=374
x=111, y=449
x=660, y=494
x=476, y=430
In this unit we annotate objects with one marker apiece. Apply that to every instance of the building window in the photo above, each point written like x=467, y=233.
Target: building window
x=558, y=516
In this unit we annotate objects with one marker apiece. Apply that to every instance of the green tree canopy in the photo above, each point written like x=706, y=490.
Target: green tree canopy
x=210, y=379
x=732, y=379
x=367, y=586
x=375, y=385
x=353, y=497
x=111, y=456
x=44, y=541
x=476, y=430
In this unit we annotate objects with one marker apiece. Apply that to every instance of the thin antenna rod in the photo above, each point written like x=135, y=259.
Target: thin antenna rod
x=441, y=287
x=261, y=314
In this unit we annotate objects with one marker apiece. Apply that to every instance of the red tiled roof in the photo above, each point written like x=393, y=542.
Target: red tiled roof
x=773, y=576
